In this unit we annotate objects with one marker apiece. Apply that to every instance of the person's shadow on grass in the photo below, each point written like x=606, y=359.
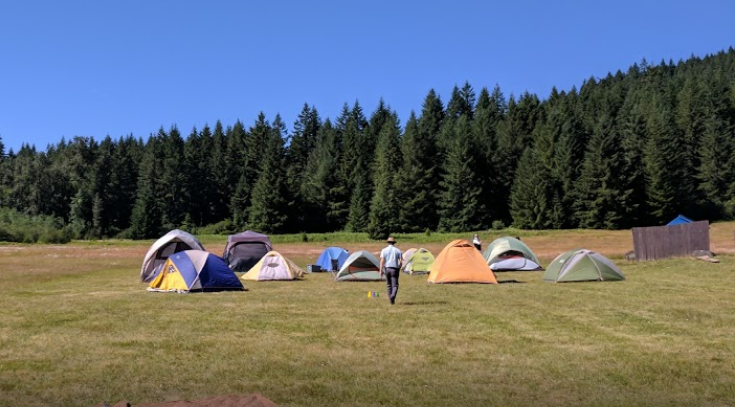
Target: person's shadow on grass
x=411, y=303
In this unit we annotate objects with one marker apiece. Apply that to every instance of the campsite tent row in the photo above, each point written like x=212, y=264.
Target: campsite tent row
x=243, y=251
x=178, y=262
x=199, y=270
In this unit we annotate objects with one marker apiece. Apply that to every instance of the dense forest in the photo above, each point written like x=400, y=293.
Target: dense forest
x=634, y=148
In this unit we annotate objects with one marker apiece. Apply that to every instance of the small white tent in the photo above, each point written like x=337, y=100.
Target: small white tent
x=172, y=242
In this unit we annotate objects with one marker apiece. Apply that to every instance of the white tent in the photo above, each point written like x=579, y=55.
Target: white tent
x=172, y=242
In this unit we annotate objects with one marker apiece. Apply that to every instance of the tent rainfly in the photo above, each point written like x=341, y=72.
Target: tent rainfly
x=273, y=266
x=461, y=262
x=172, y=242
x=508, y=247
x=418, y=262
x=195, y=270
x=582, y=265
x=360, y=266
x=245, y=249
x=332, y=258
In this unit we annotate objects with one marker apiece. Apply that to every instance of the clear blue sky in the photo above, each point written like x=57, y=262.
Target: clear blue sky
x=97, y=68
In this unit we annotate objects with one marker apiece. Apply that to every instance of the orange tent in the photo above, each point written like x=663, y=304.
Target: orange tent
x=461, y=262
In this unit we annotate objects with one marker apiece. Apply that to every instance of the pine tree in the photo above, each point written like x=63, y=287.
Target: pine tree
x=196, y=187
x=359, y=212
x=485, y=124
x=124, y=180
x=715, y=171
x=512, y=142
x=242, y=167
x=252, y=149
x=219, y=199
x=302, y=144
x=324, y=208
x=387, y=200
x=633, y=130
x=269, y=197
x=350, y=128
x=429, y=129
x=530, y=203
x=81, y=157
x=603, y=188
x=460, y=203
x=147, y=212
x=416, y=180
x=665, y=165
x=172, y=178
x=104, y=196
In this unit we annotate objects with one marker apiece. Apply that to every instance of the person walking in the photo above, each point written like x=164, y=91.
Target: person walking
x=477, y=242
x=391, y=260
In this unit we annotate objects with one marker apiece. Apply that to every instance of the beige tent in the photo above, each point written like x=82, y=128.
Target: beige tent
x=273, y=266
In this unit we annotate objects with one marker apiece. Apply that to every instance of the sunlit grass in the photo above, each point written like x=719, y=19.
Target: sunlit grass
x=77, y=328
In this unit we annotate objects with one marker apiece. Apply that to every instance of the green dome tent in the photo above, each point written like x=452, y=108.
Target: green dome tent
x=582, y=265
x=507, y=244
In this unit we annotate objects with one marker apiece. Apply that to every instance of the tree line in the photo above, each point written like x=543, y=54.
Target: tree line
x=631, y=149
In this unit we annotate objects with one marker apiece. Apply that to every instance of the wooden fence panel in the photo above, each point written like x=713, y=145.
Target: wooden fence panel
x=661, y=242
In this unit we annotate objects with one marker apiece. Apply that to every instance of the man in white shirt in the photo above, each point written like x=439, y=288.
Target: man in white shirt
x=391, y=260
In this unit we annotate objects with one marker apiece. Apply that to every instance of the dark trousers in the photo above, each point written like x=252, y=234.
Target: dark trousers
x=391, y=278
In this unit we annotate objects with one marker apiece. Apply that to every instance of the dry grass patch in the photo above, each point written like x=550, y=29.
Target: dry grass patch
x=77, y=328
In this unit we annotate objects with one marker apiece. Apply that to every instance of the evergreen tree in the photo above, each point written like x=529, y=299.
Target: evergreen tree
x=387, y=200
x=81, y=155
x=416, y=180
x=146, y=219
x=603, y=188
x=126, y=159
x=302, y=144
x=633, y=129
x=219, y=199
x=715, y=172
x=254, y=144
x=512, y=142
x=269, y=197
x=104, y=196
x=350, y=128
x=567, y=160
x=429, y=129
x=359, y=212
x=196, y=187
x=530, y=203
x=666, y=169
x=485, y=124
x=172, y=178
x=324, y=207
x=460, y=202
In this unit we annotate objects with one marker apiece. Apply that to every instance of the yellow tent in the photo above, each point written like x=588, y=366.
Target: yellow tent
x=273, y=266
x=418, y=262
x=461, y=262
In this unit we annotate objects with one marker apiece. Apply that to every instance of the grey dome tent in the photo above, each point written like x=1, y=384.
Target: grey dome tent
x=172, y=242
x=582, y=265
x=510, y=254
x=244, y=250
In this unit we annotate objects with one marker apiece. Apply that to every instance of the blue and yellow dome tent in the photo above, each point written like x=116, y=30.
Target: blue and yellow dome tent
x=195, y=270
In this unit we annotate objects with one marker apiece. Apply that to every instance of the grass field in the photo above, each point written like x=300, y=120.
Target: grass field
x=77, y=328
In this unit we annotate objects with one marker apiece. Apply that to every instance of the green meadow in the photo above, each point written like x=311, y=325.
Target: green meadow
x=78, y=328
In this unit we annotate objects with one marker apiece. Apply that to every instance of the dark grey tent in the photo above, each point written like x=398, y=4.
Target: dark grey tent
x=244, y=250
